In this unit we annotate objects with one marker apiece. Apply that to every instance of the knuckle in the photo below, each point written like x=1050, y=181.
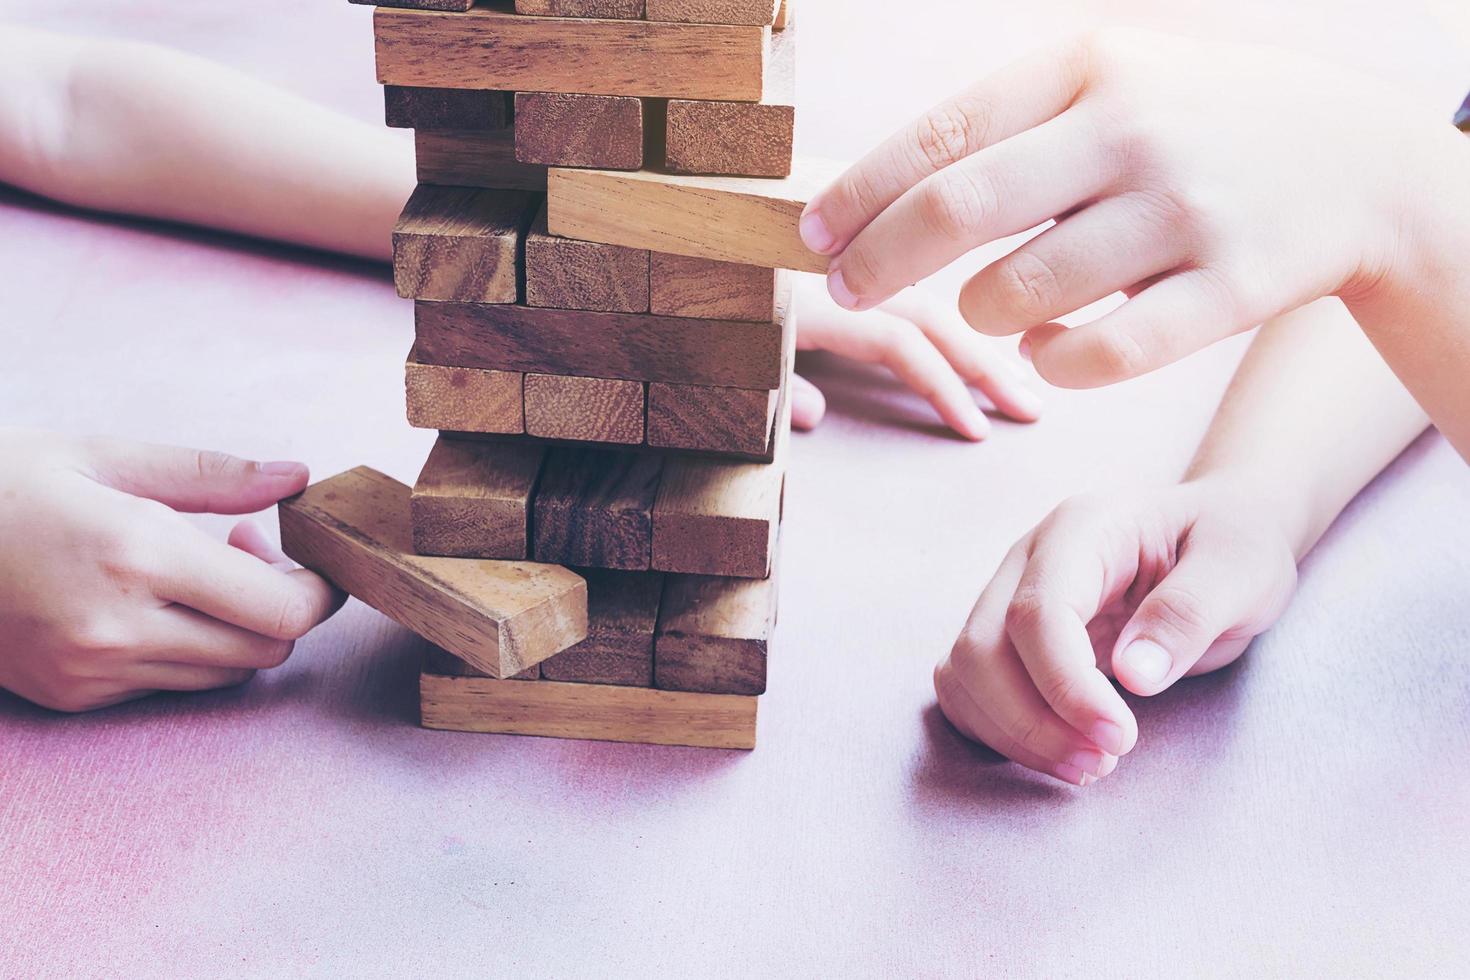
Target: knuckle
x=1118, y=354
x=1026, y=611
x=1180, y=610
x=1027, y=286
x=209, y=464
x=92, y=635
x=949, y=133
x=955, y=207
x=1057, y=686
x=860, y=269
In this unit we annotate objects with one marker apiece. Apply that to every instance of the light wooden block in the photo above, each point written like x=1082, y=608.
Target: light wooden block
x=460, y=399
x=759, y=12
x=502, y=617
x=784, y=18
x=710, y=418
x=474, y=159
x=461, y=244
x=679, y=285
x=444, y=109
x=565, y=274
x=714, y=634
x=622, y=614
x=590, y=711
x=594, y=57
x=473, y=499
x=594, y=508
x=563, y=130
x=585, y=409
x=733, y=219
x=599, y=9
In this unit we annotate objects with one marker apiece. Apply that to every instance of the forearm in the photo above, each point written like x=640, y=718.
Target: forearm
x=141, y=130
x=1312, y=415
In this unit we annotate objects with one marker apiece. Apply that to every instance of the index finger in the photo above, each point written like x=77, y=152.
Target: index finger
x=1016, y=98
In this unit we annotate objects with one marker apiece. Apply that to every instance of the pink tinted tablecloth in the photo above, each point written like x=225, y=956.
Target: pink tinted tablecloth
x=1302, y=813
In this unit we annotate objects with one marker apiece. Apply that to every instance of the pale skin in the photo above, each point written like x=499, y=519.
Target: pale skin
x=106, y=592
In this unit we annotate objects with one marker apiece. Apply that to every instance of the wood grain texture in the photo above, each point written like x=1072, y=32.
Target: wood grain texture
x=461, y=244
x=585, y=409
x=714, y=634
x=679, y=285
x=594, y=57
x=600, y=9
x=566, y=274
x=758, y=12
x=622, y=614
x=784, y=17
x=474, y=159
x=440, y=661
x=564, y=130
x=408, y=107
x=473, y=499
x=591, y=711
x=629, y=346
x=594, y=508
x=750, y=138
x=463, y=399
x=354, y=529
x=459, y=5
x=734, y=219
x=710, y=418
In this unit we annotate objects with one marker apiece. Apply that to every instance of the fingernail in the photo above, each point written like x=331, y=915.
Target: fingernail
x=1107, y=736
x=1149, y=661
x=282, y=468
x=1068, y=773
x=837, y=286
x=1087, y=760
x=1024, y=348
x=815, y=234
x=977, y=426
x=1087, y=779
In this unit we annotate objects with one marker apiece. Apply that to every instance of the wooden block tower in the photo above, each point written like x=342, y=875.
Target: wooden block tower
x=604, y=338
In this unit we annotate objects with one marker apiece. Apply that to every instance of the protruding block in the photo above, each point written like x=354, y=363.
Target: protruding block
x=473, y=499
x=679, y=285
x=594, y=711
x=501, y=617
x=565, y=274
x=564, y=130
x=713, y=634
x=460, y=244
x=585, y=409
x=709, y=418
x=750, y=138
x=475, y=159
x=758, y=12
x=406, y=107
x=594, y=508
x=622, y=613
x=463, y=399
x=599, y=9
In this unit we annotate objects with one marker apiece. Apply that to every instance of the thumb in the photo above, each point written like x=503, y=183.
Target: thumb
x=194, y=480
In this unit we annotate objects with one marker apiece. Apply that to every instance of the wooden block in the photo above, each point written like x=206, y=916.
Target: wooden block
x=461, y=244
x=628, y=346
x=718, y=517
x=622, y=613
x=422, y=4
x=405, y=107
x=502, y=617
x=566, y=274
x=734, y=219
x=679, y=285
x=492, y=47
x=473, y=499
x=713, y=634
x=594, y=508
x=444, y=663
x=558, y=129
x=594, y=711
x=750, y=138
x=475, y=159
x=601, y=9
x=759, y=12
x=783, y=17
x=463, y=399
x=710, y=418
x=584, y=409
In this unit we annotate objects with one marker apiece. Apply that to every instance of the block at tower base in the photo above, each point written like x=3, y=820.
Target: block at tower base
x=622, y=614
x=714, y=634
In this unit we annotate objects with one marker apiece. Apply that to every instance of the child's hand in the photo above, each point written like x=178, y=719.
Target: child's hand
x=1145, y=588
x=1216, y=185
x=924, y=343
x=108, y=594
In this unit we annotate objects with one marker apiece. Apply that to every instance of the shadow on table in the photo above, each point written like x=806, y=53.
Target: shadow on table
x=871, y=394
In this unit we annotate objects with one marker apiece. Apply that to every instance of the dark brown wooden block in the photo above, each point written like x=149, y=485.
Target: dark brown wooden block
x=475, y=159
x=406, y=107
x=595, y=508
x=758, y=12
x=681, y=285
x=473, y=499
x=622, y=613
x=753, y=139
x=461, y=244
x=565, y=130
x=567, y=274
x=710, y=418
x=422, y=4
x=585, y=409
x=463, y=399
x=601, y=9
x=714, y=634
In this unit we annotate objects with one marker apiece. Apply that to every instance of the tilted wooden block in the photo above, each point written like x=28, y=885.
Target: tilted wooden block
x=473, y=499
x=564, y=130
x=603, y=9
x=475, y=159
x=594, y=711
x=594, y=508
x=595, y=57
x=679, y=285
x=622, y=613
x=585, y=409
x=422, y=4
x=406, y=107
x=440, y=661
x=502, y=617
x=463, y=399
x=710, y=418
x=461, y=244
x=714, y=634
x=750, y=138
x=566, y=274
x=734, y=219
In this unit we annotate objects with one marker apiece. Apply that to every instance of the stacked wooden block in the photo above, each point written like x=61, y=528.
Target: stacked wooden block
x=608, y=374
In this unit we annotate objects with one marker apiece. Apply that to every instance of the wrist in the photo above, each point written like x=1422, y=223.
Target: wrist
x=1293, y=513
